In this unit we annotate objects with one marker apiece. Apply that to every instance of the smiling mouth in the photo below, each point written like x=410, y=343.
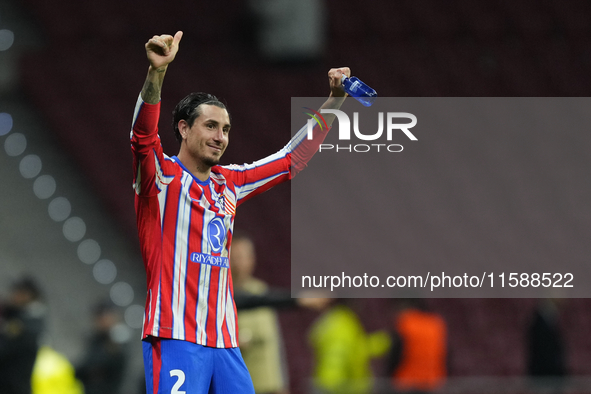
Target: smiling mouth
x=215, y=147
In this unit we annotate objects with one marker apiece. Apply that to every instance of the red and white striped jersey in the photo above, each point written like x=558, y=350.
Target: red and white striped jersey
x=185, y=231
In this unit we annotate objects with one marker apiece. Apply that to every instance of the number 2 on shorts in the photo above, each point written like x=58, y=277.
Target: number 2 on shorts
x=179, y=382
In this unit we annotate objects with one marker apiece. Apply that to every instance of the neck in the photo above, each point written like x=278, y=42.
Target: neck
x=240, y=281
x=197, y=168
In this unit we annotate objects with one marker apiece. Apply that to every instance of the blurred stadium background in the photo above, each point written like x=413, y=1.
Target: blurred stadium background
x=70, y=73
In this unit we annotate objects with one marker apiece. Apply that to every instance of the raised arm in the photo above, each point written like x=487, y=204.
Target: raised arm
x=161, y=51
x=263, y=174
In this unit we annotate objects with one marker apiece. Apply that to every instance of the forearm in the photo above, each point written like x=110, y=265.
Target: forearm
x=333, y=102
x=301, y=146
x=153, y=85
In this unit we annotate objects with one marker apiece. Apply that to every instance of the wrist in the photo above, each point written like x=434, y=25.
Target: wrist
x=157, y=70
x=335, y=101
x=337, y=93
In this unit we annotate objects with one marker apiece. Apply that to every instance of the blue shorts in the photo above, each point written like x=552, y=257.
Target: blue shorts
x=180, y=367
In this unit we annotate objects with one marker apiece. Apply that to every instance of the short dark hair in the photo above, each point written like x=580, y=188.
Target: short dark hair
x=241, y=235
x=27, y=284
x=103, y=307
x=188, y=110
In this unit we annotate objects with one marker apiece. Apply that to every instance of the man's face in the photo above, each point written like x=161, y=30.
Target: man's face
x=209, y=136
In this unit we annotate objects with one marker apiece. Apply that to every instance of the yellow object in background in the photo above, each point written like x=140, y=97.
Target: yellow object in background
x=54, y=374
x=343, y=351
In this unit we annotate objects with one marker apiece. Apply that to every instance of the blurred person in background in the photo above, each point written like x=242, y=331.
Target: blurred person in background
x=343, y=350
x=418, y=358
x=261, y=342
x=103, y=367
x=546, y=362
x=21, y=324
x=243, y=264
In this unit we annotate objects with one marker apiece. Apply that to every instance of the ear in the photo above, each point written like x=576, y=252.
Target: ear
x=183, y=128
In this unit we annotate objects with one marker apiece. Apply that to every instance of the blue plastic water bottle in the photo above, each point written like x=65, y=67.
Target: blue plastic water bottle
x=359, y=90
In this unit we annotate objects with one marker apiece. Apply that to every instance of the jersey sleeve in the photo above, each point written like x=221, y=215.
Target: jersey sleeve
x=255, y=178
x=148, y=157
